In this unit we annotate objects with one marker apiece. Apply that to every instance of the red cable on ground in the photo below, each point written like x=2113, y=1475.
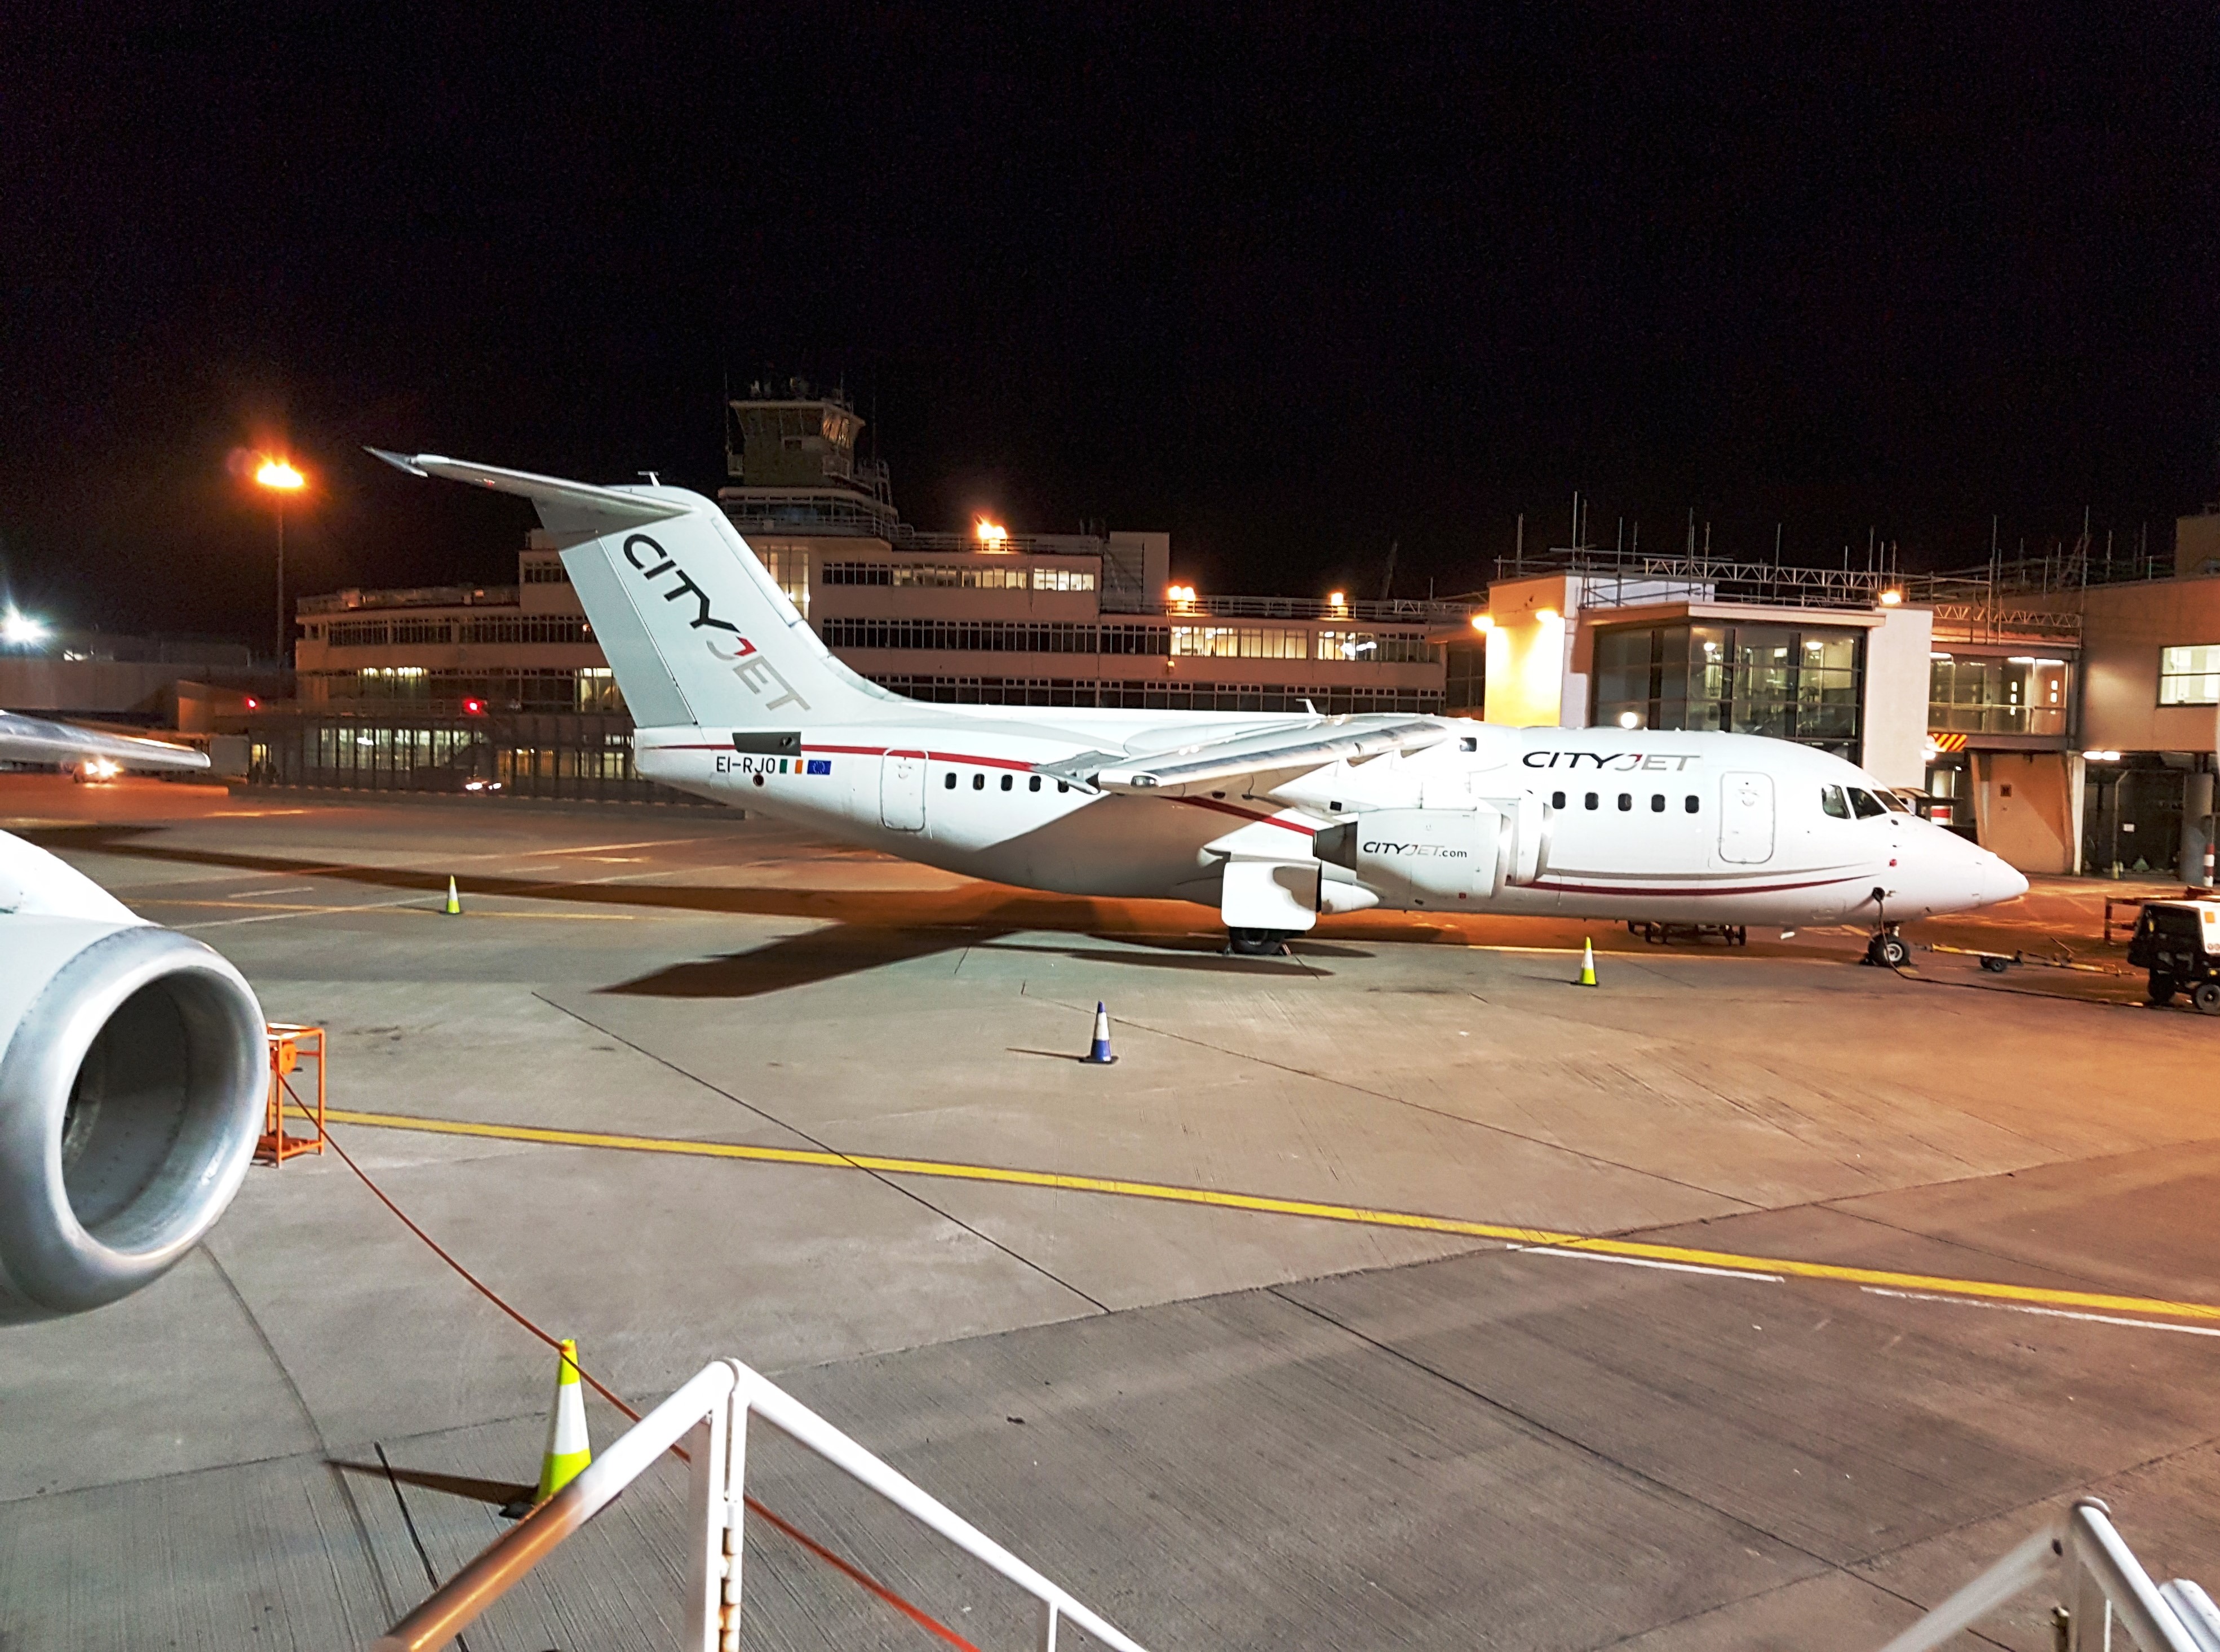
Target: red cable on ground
x=917, y=1615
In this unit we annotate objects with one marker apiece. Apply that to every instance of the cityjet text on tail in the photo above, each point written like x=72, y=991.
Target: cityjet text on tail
x=1272, y=820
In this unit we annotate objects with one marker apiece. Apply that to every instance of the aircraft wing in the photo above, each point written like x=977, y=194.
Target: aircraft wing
x=1276, y=752
x=34, y=739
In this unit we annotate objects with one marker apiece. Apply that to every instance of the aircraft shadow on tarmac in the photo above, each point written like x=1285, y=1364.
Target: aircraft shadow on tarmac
x=858, y=930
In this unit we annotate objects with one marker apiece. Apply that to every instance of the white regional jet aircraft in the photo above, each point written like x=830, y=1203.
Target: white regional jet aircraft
x=1272, y=819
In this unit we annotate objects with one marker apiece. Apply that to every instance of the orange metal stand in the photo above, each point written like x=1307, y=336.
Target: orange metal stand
x=288, y=1047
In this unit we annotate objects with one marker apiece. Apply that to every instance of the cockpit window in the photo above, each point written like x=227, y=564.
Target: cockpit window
x=1895, y=802
x=1831, y=799
x=1866, y=804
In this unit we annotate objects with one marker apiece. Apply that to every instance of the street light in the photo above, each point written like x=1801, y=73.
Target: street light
x=280, y=479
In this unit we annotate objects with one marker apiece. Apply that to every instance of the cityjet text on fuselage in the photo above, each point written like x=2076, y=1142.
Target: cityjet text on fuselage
x=1615, y=762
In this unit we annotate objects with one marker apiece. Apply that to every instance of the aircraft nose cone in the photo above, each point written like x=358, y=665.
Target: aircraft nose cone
x=1994, y=880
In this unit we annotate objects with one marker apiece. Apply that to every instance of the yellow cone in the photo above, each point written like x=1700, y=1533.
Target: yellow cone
x=454, y=900
x=1587, y=961
x=568, y=1450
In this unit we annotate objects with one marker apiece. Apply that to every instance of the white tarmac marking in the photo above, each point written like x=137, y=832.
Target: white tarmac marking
x=306, y=912
x=2047, y=1313
x=1648, y=1261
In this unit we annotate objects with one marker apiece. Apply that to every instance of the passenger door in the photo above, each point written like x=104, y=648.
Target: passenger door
x=901, y=791
x=1746, y=817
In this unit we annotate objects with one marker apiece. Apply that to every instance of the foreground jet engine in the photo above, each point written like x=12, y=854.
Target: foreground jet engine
x=132, y=1076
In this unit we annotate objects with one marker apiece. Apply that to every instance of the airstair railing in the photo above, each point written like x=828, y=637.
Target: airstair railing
x=2103, y=1592
x=708, y=1417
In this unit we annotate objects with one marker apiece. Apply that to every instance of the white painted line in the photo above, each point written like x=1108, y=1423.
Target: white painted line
x=2047, y=1313
x=311, y=912
x=1645, y=1262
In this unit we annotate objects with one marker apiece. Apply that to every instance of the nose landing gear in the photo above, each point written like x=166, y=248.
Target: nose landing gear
x=1888, y=950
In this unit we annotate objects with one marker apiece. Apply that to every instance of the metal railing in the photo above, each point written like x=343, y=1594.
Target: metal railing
x=2101, y=1585
x=707, y=1418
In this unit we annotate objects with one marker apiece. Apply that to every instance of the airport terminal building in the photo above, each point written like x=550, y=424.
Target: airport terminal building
x=2064, y=711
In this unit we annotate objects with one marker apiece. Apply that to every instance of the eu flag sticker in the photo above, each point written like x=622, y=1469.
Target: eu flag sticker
x=820, y=765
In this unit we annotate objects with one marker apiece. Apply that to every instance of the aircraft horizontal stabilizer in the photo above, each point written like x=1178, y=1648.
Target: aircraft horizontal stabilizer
x=34, y=739
x=564, y=506
x=1276, y=752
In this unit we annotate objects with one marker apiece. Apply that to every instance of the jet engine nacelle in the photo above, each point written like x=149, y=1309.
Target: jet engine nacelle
x=133, y=1072
x=1442, y=856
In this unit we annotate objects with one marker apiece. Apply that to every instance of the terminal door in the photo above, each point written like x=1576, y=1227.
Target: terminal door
x=1746, y=817
x=901, y=791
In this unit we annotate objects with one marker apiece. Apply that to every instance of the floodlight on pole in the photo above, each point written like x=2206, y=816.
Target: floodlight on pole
x=280, y=479
x=20, y=630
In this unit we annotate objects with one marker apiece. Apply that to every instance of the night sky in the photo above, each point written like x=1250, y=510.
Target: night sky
x=1292, y=283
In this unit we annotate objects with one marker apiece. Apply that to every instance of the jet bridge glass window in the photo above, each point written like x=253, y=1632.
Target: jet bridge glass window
x=1866, y=804
x=1791, y=681
x=1831, y=800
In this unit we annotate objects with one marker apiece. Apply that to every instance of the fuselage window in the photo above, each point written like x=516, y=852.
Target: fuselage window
x=1866, y=804
x=1007, y=782
x=1557, y=799
x=1590, y=799
x=1692, y=805
x=1064, y=785
x=979, y=782
x=1033, y=784
x=1831, y=799
x=950, y=782
x=1626, y=801
x=1657, y=803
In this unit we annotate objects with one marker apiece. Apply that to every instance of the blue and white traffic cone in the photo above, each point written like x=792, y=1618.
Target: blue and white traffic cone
x=1099, y=1056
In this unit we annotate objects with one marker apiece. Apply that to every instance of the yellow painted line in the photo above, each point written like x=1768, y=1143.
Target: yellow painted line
x=1989, y=1290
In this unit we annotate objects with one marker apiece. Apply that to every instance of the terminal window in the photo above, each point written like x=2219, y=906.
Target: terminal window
x=1791, y=683
x=2019, y=694
x=2189, y=676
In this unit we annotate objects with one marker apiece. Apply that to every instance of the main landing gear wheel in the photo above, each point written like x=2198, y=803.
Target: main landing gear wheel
x=1258, y=943
x=2162, y=987
x=2207, y=997
x=1888, y=951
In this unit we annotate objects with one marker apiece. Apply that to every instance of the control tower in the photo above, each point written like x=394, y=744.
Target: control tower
x=790, y=449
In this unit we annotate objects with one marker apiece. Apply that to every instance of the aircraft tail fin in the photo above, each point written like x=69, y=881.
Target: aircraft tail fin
x=693, y=626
